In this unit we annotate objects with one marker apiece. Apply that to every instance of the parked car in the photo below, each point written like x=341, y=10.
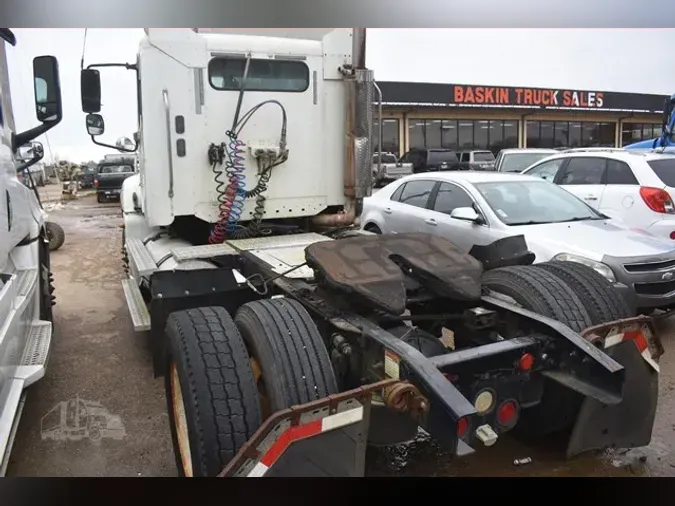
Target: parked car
x=430, y=160
x=109, y=179
x=87, y=177
x=478, y=208
x=636, y=187
x=392, y=169
x=519, y=159
x=478, y=160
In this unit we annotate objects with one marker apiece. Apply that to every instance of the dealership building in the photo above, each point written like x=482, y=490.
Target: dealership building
x=471, y=117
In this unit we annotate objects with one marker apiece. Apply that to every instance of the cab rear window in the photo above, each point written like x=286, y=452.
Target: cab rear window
x=665, y=170
x=263, y=75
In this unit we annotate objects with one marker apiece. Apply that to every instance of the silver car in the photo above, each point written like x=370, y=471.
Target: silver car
x=478, y=208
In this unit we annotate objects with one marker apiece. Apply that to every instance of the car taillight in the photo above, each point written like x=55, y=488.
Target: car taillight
x=657, y=200
x=95, y=183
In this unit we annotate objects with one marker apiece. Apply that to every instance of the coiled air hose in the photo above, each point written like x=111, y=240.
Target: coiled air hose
x=232, y=193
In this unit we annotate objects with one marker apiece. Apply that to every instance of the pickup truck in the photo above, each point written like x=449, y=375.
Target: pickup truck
x=392, y=169
x=478, y=160
x=109, y=178
x=433, y=160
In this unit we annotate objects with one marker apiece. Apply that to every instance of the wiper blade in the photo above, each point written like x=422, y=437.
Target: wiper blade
x=531, y=222
x=580, y=218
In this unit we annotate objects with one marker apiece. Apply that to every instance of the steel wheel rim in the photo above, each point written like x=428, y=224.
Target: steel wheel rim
x=180, y=422
x=262, y=390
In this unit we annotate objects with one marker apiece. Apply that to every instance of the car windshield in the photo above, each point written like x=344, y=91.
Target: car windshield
x=484, y=156
x=534, y=202
x=438, y=156
x=518, y=162
x=115, y=169
x=665, y=170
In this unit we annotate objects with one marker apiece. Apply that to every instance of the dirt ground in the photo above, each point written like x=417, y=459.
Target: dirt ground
x=97, y=358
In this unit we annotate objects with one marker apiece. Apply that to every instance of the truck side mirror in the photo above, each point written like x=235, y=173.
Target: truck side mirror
x=47, y=89
x=95, y=124
x=90, y=90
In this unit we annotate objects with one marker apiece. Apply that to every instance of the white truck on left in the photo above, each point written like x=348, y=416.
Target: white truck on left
x=25, y=279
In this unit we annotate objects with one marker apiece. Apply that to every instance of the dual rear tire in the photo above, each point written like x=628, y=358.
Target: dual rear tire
x=225, y=376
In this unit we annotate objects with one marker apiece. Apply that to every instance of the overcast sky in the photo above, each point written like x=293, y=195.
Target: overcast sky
x=592, y=59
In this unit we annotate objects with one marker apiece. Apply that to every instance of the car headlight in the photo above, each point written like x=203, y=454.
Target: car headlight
x=602, y=269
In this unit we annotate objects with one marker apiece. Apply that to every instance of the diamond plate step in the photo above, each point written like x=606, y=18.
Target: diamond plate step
x=35, y=356
x=280, y=241
x=25, y=280
x=141, y=261
x=140, y=317
x=206, y=251
x=39, y=342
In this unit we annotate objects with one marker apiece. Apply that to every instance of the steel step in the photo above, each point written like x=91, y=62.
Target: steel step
x=36, y=354
x=25, y=281
x=140, y=259
x=140, y=317
x=206, y=251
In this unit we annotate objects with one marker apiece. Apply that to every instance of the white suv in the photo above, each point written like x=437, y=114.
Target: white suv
x=636, y=187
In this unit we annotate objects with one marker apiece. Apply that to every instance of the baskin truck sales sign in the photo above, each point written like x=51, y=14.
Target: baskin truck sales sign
x=489, y=95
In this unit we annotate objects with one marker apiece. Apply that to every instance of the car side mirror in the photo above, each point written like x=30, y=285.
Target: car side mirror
x=90, y=90
x=465, y=214
x=47, y=89
x=95, y=124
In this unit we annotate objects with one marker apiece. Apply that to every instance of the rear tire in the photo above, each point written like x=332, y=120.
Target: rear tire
x=604, y=303
x=295, y=367
x=542, y=292
x=210, y=390
x=99, y=198
x=55, y=235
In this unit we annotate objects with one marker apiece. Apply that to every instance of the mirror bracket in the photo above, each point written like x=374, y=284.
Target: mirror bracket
x=118, y=148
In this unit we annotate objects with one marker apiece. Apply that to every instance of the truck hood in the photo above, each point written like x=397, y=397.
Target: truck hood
x=592, y=239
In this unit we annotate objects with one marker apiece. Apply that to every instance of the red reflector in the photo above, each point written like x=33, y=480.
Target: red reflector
x=638, y=338
x=657, y=199
x=507, y=412
x=462, y=426
x=526, y=362
x=672, y=235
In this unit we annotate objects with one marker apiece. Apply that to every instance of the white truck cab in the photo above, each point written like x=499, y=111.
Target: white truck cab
x=25, y=280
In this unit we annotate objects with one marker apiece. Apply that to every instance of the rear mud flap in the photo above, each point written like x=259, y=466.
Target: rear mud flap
x=627, y=424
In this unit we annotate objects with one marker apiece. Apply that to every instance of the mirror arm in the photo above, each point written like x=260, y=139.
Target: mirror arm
x=128, y=66
x=93, y=139
x=30, y=163
x=22, y=138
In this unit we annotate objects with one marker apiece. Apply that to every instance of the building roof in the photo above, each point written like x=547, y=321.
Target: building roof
x=408, y=94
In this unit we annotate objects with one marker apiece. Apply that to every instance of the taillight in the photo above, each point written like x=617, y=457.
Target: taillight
x=462, y=426
x=95, y=183
x=526, y=362
x=507, y=414
x=657, y=200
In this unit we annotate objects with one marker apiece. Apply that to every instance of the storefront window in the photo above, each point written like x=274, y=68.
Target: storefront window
x=433, y=133
x=480, y=134
x=416, y=134
x=463, y=135
x=390, y=137
x=449, y=134
x=564, y=134
x=496, y=135
x=637, y=132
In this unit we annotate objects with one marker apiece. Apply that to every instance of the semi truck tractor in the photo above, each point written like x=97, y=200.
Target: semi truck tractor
x=26, y=290
x=666, y=142
x=290, y=340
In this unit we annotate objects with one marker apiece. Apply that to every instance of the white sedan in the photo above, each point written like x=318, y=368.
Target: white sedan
x=478, y=208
